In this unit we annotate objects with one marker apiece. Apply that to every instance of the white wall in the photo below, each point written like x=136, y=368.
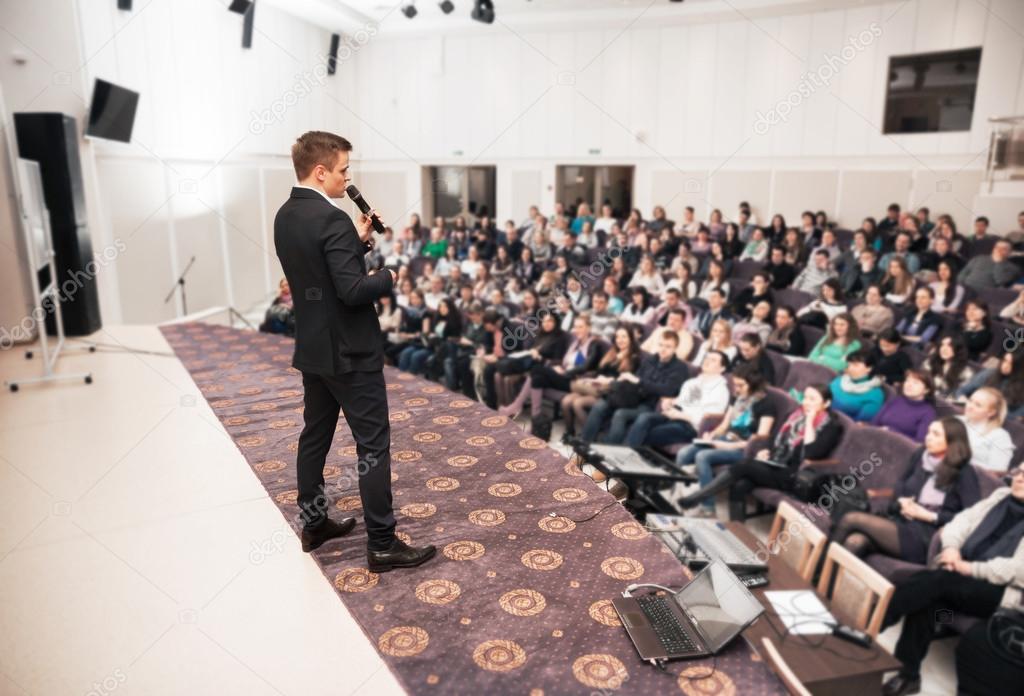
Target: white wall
x=682, y=100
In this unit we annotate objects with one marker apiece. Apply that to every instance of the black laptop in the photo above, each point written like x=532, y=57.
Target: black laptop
x=697, y=621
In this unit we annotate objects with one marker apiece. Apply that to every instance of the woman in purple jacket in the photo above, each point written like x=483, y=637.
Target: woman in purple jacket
x=910, y=413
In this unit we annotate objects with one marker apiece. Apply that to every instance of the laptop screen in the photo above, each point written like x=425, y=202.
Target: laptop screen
x=719, y=604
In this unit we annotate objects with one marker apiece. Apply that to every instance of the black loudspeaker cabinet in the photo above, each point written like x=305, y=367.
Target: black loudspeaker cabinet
x=51, y=139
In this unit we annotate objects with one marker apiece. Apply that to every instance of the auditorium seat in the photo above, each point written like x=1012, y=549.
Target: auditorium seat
x=803, y=373
x=781, y=365
x=812, y=334
x=804, y=542
x=980, y=247
x=793, y=297
x=858, y=590
x=746, y=269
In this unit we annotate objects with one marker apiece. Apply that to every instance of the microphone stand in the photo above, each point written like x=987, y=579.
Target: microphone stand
x=180, y=283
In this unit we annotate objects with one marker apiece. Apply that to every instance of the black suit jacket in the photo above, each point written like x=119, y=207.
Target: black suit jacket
x=336, y=325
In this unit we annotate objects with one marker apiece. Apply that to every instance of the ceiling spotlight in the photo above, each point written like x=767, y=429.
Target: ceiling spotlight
x=483, y=11
x=446, y=6
x=409, y=10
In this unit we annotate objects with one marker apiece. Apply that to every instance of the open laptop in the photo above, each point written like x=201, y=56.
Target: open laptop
x=697, y=621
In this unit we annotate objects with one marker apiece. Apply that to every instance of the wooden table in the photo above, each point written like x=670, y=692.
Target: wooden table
x=833, y=668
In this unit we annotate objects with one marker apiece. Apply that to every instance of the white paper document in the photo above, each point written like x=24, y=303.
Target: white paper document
x=801, y=611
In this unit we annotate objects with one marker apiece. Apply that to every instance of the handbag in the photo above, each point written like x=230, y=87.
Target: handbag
x=624, y=395
x=1006, y=635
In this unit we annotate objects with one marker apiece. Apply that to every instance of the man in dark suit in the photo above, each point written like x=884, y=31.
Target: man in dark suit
x=338, y=349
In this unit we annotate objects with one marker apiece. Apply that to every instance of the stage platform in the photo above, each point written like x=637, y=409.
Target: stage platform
x=517, y=600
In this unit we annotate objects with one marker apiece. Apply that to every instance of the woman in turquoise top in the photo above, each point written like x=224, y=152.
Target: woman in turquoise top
x=842, y=338
x=582, y=215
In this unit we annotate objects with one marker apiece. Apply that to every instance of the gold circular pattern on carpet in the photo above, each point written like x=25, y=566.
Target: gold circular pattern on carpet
x=443, y=483
x=464, y=550
x=433, y=389
x=236, y=420
x=407, y=455
x=487, y=518
x=355, y=580
x=603, y=612
x=426, y=437
x=541, y=559
x=417, y=401
x=349, y=451
x=460, y=403
x=556, y=525
x=283, y=424
x=499, y=656
x=523, y=602
x=494, y=421
x=569, y=495
x=250, y=391
x=287, y=498
x=446, y=420
x=403, y=641
x=270, y=466
x=717, y=683
x=520, y=465
x=505, y=490
x=349, y=502
x=331, y=471
x=289, y=393
x=222, y=403
x=438, y=591
x=571, y=469
x=480, y=441
x=600, y=671
x=532, y=443
x=418, y=510
x=622, y=568
x=399, y=416
x=264, y=406
x=630, y=531
x=462, y=460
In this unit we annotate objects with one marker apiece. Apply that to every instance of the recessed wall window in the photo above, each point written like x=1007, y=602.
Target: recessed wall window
x=595, y=186
x=932, y=92
x=454, y=191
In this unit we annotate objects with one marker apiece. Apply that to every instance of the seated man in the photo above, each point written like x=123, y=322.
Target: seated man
x=993, y=271
x=630, y=395
x=888, y=359
x=981, y=568
x=818, y=270
x=602, y=321
x=680, y=418
x=676, y=322
x=856, y=392
x=716, y=310
x=759, y=290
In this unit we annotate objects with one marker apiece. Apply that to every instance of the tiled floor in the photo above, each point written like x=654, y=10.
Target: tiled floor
x=139, y=555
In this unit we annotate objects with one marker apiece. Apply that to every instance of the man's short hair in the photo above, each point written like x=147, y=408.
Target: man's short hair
x=752, y=340
x=674, y=291
x=718, y=291
x=981, y=218
x=670, y=335
x=492, y=316
x=722, y=357
x=821, y=252
x=678, y=311
x=763, y=275
x=317, y=147
x=860, y=356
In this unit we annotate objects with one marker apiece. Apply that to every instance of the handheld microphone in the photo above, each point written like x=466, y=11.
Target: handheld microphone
x=364, y=207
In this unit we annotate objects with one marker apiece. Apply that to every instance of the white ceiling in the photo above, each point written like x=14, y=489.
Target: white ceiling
x=349, y=16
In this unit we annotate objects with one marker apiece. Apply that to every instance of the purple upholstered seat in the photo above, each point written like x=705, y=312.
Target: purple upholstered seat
x=803, y=373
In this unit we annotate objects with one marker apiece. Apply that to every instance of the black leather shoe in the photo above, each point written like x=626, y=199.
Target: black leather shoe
x=400, y=555
x=901, y=686
x=315, y=538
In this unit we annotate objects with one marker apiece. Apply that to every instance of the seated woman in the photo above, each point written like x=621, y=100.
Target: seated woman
x=1014, y=311
x=939, y=483
x=715, y=278
x=910, y=412
x=889, y=360
x=648, y=277
x=280, y=315
x=919, y=323
x=719, y=339
x=828, y=305
x=443, y=325
x=948, y=366
x=856, y=392
x=841, y=339
x=785, y=336
x=980, y=569
x=415, y=320
x=897, y=283
x=984, y=415
x=811, y=432
x=757, y=325
x=757, y=248
x=976, y=329
x=873, y=316
x=584, y=391
x=948, y=293
x=1007, y=378
x=582, y=356
x=549, y=346
x=750, y=415
x=641, y=310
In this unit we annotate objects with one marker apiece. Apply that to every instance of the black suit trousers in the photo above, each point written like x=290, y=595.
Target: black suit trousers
x=362, y=397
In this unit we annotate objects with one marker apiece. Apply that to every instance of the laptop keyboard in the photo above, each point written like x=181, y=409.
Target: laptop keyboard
x=666, y=626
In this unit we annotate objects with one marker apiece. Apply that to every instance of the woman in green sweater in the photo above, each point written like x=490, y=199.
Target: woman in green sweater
x=842, y=338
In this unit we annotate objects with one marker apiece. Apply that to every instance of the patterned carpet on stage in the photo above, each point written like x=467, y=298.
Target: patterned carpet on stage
x=516, y=601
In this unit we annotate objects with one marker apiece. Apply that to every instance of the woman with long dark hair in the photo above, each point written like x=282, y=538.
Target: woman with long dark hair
x=948, y=293
x=910, y=412
x=949, y=366
x=939, y=483
x=976, y=328
x=811, y=432
x=623, y=356
x=1007, y=378
x=841, y=339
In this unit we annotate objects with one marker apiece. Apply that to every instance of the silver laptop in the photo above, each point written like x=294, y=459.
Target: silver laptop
x=697, y=621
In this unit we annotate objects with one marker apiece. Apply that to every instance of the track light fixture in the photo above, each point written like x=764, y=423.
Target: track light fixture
x=483, y=11
x=409, y=10
x=446, y=6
